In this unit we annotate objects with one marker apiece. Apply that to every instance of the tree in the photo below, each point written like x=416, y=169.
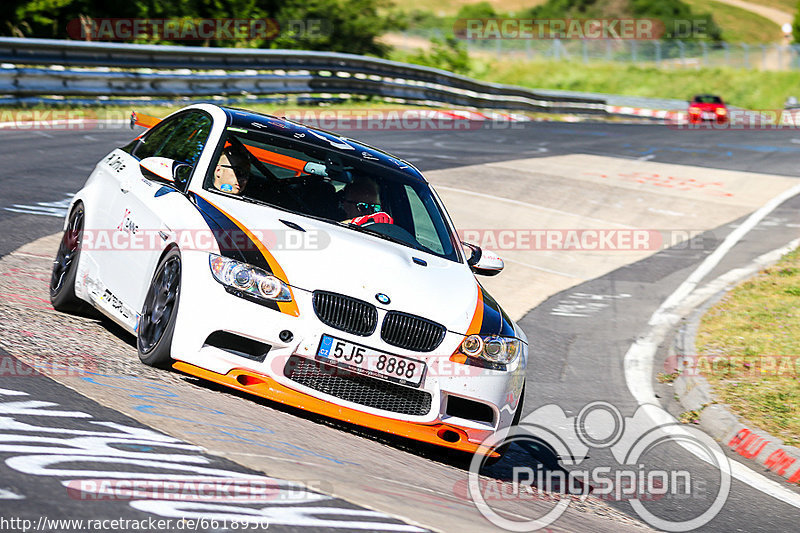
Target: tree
x=480, y=10
x=23, y=18
x=331, y=25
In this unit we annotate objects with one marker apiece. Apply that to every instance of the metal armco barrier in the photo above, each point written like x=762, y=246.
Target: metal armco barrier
x=77, y=68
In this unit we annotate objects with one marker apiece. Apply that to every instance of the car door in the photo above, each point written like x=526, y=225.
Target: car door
x=147, y=204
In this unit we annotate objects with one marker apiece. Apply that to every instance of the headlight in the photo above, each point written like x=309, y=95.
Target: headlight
x=492, y=348
x=248, y=279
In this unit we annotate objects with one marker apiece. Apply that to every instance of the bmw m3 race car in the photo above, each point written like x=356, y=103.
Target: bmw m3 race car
x=299, y=266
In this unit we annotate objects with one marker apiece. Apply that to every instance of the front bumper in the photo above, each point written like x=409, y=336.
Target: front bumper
x=205, y=307
x=441, y=434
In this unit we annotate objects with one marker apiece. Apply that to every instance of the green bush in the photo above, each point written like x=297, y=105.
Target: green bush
x=447, y=54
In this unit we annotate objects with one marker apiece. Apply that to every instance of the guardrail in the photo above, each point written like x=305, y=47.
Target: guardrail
x=42, y=67
x=35, y=68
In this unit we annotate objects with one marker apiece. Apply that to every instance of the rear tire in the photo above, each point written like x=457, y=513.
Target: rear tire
x=65, y=267
x=160, y=311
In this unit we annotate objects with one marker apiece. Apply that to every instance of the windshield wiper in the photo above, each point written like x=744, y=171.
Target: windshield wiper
x=378, y=234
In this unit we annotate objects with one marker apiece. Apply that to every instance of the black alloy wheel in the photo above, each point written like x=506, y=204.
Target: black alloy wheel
x=157, y=321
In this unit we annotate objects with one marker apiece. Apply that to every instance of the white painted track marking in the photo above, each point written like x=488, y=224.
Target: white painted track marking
x=638, y=360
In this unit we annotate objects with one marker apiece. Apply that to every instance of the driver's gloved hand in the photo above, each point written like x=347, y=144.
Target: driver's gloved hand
x=376, y=218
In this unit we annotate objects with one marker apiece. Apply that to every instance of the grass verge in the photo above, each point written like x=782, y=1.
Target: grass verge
x=751, y=89
x=755, y=334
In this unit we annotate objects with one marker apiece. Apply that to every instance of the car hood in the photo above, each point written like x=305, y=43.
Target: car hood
x=316, y=255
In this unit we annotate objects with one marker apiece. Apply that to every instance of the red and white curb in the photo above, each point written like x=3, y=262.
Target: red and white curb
x=694, y=392
x=648, y=113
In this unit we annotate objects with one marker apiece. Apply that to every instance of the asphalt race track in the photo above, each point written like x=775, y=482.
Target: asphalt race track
x=581, y=314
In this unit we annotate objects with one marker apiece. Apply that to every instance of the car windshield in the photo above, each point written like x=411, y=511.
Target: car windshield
x=707, y=100
x=348, y=190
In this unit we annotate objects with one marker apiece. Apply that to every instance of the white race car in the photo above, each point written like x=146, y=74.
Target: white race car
x=299, y=266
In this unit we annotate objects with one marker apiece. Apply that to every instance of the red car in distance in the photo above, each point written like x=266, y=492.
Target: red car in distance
x=707, y=107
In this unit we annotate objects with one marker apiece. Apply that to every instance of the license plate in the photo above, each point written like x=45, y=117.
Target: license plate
x=370, y=361
x=708, y=115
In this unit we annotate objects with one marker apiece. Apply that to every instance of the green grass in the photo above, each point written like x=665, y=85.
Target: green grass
x=751, y=89
x=789, y=6
x=758, y=323
x=738, y=25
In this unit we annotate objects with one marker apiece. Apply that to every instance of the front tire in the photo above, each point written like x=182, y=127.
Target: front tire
x=160, y=311
x=65, y=267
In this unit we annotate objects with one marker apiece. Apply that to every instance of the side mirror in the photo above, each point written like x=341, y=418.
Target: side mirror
x=165, y=169
x=482, y=262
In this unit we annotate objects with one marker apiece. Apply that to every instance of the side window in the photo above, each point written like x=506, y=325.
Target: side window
x=151, y=143
x=424, y=230
x=181, y=138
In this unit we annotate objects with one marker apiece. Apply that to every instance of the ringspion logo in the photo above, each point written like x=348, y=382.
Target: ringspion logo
x=632, y=444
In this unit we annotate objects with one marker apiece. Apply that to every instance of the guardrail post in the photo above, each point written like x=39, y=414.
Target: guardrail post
x=634, y=50
x=746, y=50
x=528, y=49
x=658, y=53
x=585, y=50
x=498, y=48
x=608, y=49
x=704, y=46
x=763, y=57
x=727, y=54
x=682, y=48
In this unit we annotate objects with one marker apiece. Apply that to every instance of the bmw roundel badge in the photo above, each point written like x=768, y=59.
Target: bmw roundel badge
x=382, y=298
